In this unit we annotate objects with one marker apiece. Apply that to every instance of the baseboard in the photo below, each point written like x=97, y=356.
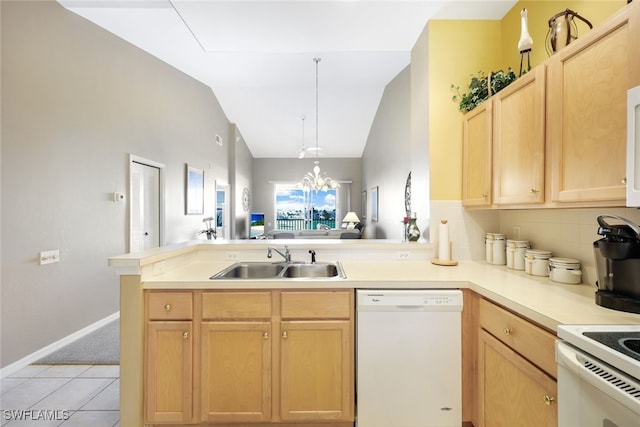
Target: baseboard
x=45, y=351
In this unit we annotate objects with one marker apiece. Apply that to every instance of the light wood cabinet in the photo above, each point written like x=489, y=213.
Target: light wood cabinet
x=236, y=344
x=519, y=140
x=317, y=359
x=477, y=156
x=513, y=391
x=259, y=357
x=516, y=370
x=169, y=358
x=559, y=131
x=586, y=110
x=521, y=335
x=236, y=371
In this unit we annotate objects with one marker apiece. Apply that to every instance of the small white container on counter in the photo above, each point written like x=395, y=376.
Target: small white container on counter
x=565, y=270
x=515, y=253
x=496, y=248
x=536, y=262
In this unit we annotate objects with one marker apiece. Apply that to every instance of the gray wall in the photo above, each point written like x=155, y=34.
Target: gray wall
x=241, y=163
x=76, y=101
x=387, y=158
x=266, y=172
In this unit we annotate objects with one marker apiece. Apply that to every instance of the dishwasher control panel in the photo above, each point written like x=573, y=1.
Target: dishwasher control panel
x=419, y=300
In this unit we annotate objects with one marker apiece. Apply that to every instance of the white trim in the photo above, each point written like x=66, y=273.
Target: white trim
x=45, y=351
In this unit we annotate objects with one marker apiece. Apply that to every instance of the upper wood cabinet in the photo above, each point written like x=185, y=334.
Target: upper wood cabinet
x=559, y=132
x=586, y=106
x=518, y=140
x=477, y=156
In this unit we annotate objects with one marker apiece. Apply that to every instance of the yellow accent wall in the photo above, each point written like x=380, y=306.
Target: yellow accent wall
x=460, y=48
x=538, y=14
x=457, y=49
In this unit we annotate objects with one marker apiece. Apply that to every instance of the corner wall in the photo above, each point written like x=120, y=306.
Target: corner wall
x=387, y=157
x=76, y=101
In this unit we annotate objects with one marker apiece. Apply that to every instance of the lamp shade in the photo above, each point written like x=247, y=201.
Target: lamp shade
x=351, y=217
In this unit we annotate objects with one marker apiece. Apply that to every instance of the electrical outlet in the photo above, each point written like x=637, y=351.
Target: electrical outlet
x=403, y=255
x=233, y=255
x=49, y=257
x=515, y=231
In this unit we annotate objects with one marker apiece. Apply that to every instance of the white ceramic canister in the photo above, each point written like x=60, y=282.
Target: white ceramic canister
x=499, y=249
x=515, y=253
x=488, y=243
x=565, y=270
x=536, y=262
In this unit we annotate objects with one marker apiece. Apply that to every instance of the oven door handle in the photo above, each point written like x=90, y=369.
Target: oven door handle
x=608, y=380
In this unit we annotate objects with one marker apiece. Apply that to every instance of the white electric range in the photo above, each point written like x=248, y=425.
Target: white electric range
x=598, y=375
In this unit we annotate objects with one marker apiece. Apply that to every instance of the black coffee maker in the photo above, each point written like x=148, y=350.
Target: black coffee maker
x=617, y=257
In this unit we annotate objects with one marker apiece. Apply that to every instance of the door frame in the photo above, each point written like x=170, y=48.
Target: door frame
x=161, y=220
x=225, y=230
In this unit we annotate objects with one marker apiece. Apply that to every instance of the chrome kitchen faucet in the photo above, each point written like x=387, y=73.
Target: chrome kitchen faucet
x=286, y=255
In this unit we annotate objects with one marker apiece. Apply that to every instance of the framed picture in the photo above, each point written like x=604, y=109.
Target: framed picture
x=363, y=214
x=374, y=204
x=194, y=200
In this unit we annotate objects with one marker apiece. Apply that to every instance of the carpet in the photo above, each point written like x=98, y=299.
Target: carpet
x=100, y=347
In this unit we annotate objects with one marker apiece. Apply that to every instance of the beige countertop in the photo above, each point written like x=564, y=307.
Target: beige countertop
x=537, y=298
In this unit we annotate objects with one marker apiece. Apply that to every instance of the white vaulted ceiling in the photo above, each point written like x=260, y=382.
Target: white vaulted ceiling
x=257, y=57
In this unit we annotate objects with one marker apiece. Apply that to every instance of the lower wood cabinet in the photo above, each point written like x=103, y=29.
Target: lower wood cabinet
x=513, y=391
x=516, y=371
x=256, y=357
x=169, y=357
x=315, y=371
x=169, y=372
x=235, y=371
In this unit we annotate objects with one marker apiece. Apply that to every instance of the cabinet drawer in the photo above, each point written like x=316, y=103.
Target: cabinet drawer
x=169, y=305
x=317, y=305
x=532, y=342
x=236, y=305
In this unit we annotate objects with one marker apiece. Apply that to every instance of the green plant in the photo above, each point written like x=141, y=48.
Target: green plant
x=481, y=87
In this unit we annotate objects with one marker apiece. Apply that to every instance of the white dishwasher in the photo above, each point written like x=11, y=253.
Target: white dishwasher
x=408, y=358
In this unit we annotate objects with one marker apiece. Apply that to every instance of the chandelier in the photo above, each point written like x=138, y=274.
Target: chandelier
x=317, y=180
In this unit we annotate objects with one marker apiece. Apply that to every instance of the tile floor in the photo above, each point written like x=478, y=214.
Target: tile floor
x=61, y=395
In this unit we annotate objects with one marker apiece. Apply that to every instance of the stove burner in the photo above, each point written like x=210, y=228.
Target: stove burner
x=627, y=343
x=631, y=344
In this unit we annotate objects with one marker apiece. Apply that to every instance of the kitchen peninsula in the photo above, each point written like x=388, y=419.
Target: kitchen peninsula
x=183, y=271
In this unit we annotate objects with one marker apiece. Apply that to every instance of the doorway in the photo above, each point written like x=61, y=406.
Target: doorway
x=146, y=202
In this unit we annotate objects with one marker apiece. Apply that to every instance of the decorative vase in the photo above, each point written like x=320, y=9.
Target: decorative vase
x=413, y=231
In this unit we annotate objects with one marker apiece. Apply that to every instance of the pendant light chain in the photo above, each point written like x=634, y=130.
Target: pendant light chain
x=317, y=180
x=317, y=60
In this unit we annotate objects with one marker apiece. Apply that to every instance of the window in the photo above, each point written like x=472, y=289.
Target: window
x=299, y=210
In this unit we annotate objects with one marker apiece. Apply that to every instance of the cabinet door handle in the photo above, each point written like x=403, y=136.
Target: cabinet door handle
x=548, y=400
x=167, y=308
x=534, y=191
x=507, y=331
x=485, y=195
x=265, y=335
x=624, y=180
x=185, y=335
x=285, y=335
